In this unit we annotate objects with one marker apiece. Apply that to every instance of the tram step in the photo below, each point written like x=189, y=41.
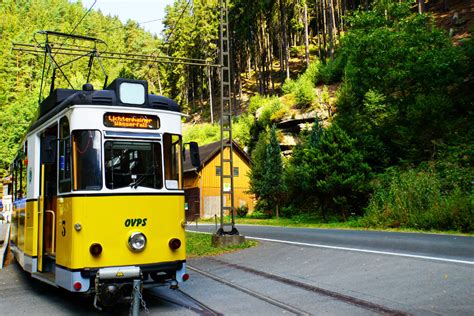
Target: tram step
x=46, y=277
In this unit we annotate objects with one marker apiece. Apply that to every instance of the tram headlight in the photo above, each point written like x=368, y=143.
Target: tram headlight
x=137, y=242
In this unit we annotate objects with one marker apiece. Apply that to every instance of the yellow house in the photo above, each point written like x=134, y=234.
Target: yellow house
x=202, y=185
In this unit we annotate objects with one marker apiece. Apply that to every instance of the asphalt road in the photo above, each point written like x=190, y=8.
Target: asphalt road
x=420, y=274
x=431, y=246
x=385, y=269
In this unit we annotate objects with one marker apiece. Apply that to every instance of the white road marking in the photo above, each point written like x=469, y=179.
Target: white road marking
x=356, y=249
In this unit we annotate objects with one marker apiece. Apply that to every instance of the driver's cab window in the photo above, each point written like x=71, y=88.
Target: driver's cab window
x=172, y=149
x=87, y=160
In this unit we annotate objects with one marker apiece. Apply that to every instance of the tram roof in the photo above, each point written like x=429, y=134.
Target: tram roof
x=60, y=99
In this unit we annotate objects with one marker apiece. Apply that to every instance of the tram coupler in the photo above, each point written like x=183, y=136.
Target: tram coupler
x=113, y=285
x=136, y=297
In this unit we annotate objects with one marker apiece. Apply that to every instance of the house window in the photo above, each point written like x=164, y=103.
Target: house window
x=218, y=170
x=236, y=171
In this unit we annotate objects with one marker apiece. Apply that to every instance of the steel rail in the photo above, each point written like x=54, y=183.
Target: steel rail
x=284, y=306
x=203, y=309
x=338, y=296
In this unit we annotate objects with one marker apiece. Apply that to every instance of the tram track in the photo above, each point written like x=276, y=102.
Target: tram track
x=363, y=304
x=182, y=299
x=250, y=292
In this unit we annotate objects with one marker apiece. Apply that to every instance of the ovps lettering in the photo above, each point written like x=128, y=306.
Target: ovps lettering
x=135, y=222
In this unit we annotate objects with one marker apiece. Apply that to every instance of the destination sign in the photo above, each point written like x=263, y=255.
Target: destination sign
x=127, y=120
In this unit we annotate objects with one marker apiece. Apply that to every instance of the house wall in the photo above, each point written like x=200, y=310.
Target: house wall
x=210, y=204
x=209, y=183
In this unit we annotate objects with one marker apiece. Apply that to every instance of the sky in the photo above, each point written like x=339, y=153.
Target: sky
x=139, y=10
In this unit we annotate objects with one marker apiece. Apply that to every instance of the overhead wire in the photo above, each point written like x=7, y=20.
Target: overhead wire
x=179, y=19
x=78, y=23
x=170, y=34
x=165, y=59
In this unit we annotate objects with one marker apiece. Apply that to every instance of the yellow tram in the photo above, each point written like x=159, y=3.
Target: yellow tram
x=98, y=191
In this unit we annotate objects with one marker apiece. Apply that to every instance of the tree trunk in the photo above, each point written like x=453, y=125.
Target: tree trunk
x=318, y=31
x=421, y=6
x=445, y=5
x=323, y=10
x=285, y=38
x=249, y=62
x=306, y=40
x=210, y=95
x=270, y=60
x=331, y=29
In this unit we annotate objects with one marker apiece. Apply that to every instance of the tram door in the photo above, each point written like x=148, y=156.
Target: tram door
x=48, y=201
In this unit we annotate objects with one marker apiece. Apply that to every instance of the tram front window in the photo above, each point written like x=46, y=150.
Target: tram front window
x=133, y=164
x=86, y=145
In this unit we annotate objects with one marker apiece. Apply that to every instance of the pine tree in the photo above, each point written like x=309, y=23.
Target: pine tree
x=257, y=168
x=328, y=173
x=273, y=185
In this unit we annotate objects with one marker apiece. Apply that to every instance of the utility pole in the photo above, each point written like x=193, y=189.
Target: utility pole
x=227, y=234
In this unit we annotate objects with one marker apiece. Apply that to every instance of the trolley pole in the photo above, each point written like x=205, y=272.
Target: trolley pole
x=227, y=234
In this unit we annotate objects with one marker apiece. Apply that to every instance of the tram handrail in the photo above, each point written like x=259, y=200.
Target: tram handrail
x=54, y=230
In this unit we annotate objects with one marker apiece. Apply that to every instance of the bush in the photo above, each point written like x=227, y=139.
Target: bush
x=262, y=209
x=270, y=106
x=256, y=102
x=241, y=129
x=414, y=198
x=281, y=113
x=258, y=215
x=202, y=134
x=332, y=71
x=242, y=211
x=304, y=93
x=289, y=86
x=312, y=72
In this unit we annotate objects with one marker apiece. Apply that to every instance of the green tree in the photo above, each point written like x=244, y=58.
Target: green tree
x=273, y=185
x=403, y=87
x=328, y=172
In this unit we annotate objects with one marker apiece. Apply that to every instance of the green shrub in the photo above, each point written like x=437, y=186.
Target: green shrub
x=242, y=211
x=202, y=133
x=312, y=72
x=259, y=215
x=304, y=93
x=280, y=113
x=414, y=198
x=270, y=106
x=295, y=51
x=241, y=128
x=289, y=86
x=256, y=102
x=332, y=71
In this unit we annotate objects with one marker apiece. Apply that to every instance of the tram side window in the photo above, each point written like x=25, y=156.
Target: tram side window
x=87, y=158
x=64, y=156
x=20, y=174
x=172, y=153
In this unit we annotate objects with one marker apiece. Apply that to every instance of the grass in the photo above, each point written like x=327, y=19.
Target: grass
x=199, y=244
x=302, y=222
